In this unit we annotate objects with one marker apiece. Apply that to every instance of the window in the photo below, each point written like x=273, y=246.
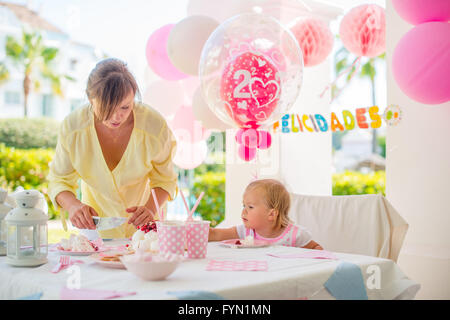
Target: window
x=12, y=97
x=47, y=105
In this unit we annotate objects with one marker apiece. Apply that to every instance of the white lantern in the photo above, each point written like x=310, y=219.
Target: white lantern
x=4, y=209
x=26, y=231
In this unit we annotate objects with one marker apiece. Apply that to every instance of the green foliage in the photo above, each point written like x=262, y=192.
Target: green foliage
x=29, y=133
x=4, y=73
x=350, y=182
x=212, y=206
x=26, y=168
x=34, y=60
x=382, y=143
x=336, y=139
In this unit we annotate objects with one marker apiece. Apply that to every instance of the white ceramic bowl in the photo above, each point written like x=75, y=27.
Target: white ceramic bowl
x=150, y=270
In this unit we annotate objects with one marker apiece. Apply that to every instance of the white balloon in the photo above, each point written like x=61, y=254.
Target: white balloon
x=190, y=155
x=186, y=40
x=204, y=114
x=165, y=96
x=285, y=11
x=228, y=8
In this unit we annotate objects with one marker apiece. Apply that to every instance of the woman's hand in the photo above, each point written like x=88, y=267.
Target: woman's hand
x=81, y=216
x=141, y=215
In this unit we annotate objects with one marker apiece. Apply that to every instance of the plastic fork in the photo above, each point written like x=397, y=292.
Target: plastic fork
x=64, y=261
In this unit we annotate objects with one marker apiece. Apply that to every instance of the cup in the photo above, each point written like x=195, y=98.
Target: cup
x=171, y=236
x=197, y=233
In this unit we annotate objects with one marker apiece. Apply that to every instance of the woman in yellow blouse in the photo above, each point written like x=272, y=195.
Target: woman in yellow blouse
x=119, y=148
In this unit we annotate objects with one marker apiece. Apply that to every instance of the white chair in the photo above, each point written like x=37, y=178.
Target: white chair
x=359, y=224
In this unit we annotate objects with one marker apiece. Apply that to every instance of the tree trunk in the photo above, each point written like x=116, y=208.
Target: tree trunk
x=26, y=92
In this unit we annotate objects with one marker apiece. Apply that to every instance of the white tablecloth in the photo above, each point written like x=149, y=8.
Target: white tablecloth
x=285, y=279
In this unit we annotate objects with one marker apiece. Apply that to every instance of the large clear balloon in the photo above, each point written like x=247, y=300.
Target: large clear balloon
x=251, y=71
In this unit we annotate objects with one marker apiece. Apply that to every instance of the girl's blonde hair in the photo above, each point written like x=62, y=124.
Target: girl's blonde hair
x=276, y=197
x=109, y=83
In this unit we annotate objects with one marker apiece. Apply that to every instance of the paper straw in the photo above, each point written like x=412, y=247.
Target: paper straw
x=185, y=203
x=196, y=205
x=162, y=214
x=156, y=201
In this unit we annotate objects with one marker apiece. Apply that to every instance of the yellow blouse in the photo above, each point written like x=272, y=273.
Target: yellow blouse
x=145, y=164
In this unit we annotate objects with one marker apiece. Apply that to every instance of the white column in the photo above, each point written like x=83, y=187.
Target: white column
x=418, y=178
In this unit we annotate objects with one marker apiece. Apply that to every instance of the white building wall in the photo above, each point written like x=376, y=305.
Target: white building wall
x=418, y=178
x=85, y=56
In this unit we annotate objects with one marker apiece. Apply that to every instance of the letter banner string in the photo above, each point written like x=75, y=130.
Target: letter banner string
x=362, y=118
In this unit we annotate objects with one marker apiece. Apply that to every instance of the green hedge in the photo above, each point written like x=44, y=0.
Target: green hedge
x=26, y=168
x=29, y=133
x=212, y=206
x=29, y=168
x=350, y=182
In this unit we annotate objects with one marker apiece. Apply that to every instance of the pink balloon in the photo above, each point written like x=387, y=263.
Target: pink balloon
x=315, y=39
x=421, y=11
x=250, y=89
x=363, y=30
x=246, y=153
x=190, y=155
x=157, y=58
x=238, y=136
x=249, y=138
x=184, y=124
x=264, y=140
x=421, y=63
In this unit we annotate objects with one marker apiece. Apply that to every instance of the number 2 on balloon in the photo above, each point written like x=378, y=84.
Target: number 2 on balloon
x=237, y=93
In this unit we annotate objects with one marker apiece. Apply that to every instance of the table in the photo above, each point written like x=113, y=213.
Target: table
x=297, y=278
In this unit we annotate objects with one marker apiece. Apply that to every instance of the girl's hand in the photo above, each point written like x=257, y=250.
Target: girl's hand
x=141, y=215
x=81, y=216
x=313, y=245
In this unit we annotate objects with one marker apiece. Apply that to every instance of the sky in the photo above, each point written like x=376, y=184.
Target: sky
x=121, y=29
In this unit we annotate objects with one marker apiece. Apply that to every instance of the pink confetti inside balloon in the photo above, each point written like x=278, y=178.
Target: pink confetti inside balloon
x=363, y=30
x=315, y=39
x=250, y=89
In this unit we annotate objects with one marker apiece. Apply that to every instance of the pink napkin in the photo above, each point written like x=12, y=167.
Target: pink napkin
x=310, y=254
x=91, y=294
x=226, y=265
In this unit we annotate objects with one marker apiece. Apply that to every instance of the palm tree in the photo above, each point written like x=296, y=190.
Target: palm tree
x=343, y=60
x=4, y=73
x=30, y=55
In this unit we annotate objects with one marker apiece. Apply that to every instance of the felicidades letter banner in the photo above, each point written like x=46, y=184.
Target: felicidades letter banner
x=362, y=118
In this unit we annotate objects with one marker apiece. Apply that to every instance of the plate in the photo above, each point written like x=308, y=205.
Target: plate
x=109, y=264
x=256, y=243
x=79, y=253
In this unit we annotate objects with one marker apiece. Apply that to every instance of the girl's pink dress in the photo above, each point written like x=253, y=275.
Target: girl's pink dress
x=292, y=236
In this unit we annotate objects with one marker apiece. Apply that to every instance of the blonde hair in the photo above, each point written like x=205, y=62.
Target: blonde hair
x=109, y=83
x=276, y=197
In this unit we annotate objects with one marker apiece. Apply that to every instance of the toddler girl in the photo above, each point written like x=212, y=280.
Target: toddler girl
x=265, y=211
